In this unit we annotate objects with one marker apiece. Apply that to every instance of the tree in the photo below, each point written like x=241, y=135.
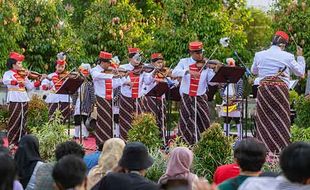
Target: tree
x=47, y=33
x=10, y=31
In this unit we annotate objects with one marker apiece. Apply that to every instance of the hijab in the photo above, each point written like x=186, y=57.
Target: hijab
x=26, y=158
x=111, y=153
x=179, y=164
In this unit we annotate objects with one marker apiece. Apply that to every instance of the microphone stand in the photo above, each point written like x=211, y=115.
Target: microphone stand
x=246, y=76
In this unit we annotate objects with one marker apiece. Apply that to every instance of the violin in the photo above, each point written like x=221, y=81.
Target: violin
x=212, y=64
x=118, y=72
x=32, y=75
x=163, y=72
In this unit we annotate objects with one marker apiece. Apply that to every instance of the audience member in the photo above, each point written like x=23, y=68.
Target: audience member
x=28, y=160
x=91, y=160
x=44, y=174
x=225, y=172
x=70, y=173
x=295, y=165
x=250, y=155
x=178, y=167
x=110, y=156
x=135, y=161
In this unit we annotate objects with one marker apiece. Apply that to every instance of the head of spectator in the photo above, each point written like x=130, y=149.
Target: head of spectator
x=7, y=171
x=70, y=173
x=111, y=153
x=178, y=167
x=27, y=156
x=295, y=162
x=136, y=158
x=69, y=147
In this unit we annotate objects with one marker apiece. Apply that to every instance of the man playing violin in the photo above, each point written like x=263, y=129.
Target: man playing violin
x=194, y=114
x=273, y=68
x=53, y=83
x=131, y=90
x=104, y=83
x=17, y=82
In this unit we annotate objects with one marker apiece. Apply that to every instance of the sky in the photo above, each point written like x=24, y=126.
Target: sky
x=262, y=4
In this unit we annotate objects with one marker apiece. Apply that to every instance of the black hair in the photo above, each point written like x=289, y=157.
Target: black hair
x=278, y=40
x=131, y=55
x=7, y=171
x=69, y=147
x=295, y=162
x=100, y=60
x=69, y=172
x=10, y=62
x=156, y=59
x=250, y=154
x=100, y=146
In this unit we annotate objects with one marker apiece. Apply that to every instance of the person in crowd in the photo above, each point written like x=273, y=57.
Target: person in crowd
x=134, y=163
x=28, y=160
x=18, y=82
x=109, y=158
x=179, y=164
x=82, y=109
x=250, y=155
x=44, y=179
x=91, y=160
x=273, y=68
x=70, y=173
x=225, y=172
x=8, y=172
x=295, y=164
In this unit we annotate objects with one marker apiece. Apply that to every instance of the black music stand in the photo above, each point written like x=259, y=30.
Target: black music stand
x=69, y=87
x=228, y=75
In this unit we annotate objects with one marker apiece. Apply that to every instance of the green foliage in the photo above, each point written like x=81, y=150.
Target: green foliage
x=4, y=116
x=293, y=96
x=10, y=31
x=114, y=28
x=272, y=164
x=37, y=112
x=145, y=130
x=212, y=150
x=50, y=135
x=300, y=134
x=48, y=32
x=159, y=166
x=302, y=111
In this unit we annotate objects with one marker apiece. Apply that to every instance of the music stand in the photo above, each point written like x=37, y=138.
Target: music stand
x=69, y=87
x=228, y=75
x=158, y=91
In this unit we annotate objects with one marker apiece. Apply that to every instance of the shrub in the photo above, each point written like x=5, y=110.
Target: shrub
x=37, y=112
x=212, y=150
x=4, y=116
x=300, y=134
x=293, y=96
x=50, y=135
x=159, y=166
x=145, y=130
x=302, y=112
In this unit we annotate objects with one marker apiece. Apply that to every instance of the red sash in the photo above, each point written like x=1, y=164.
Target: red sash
x=108, y=89
x=19, y=79
x=56, y=81
x=135, y=85
x=194, y=82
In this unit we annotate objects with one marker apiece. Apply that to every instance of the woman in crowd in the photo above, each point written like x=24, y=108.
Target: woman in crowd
x=179, y=165
x=111, y=153
x=28, y=160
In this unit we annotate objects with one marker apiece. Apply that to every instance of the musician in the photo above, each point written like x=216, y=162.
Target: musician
x=131, y=90
x=195, y=79
x=273, y=67
x=53, y=83
x=235, y=92
x=18, y=83
x=83, y=109
x=104, y=84
x=156, y=105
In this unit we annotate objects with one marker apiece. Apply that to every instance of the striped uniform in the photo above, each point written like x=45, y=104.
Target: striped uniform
x=130, y=98
x=192, y=89
x=18, y=99
x=104, y=85
x=273, y=109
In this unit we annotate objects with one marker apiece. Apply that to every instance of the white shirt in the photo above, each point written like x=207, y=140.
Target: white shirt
x=269, y=62
x=99, y=80
x=181, y=70
x=52, y=97
x=15, y=93
x=144, y=79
